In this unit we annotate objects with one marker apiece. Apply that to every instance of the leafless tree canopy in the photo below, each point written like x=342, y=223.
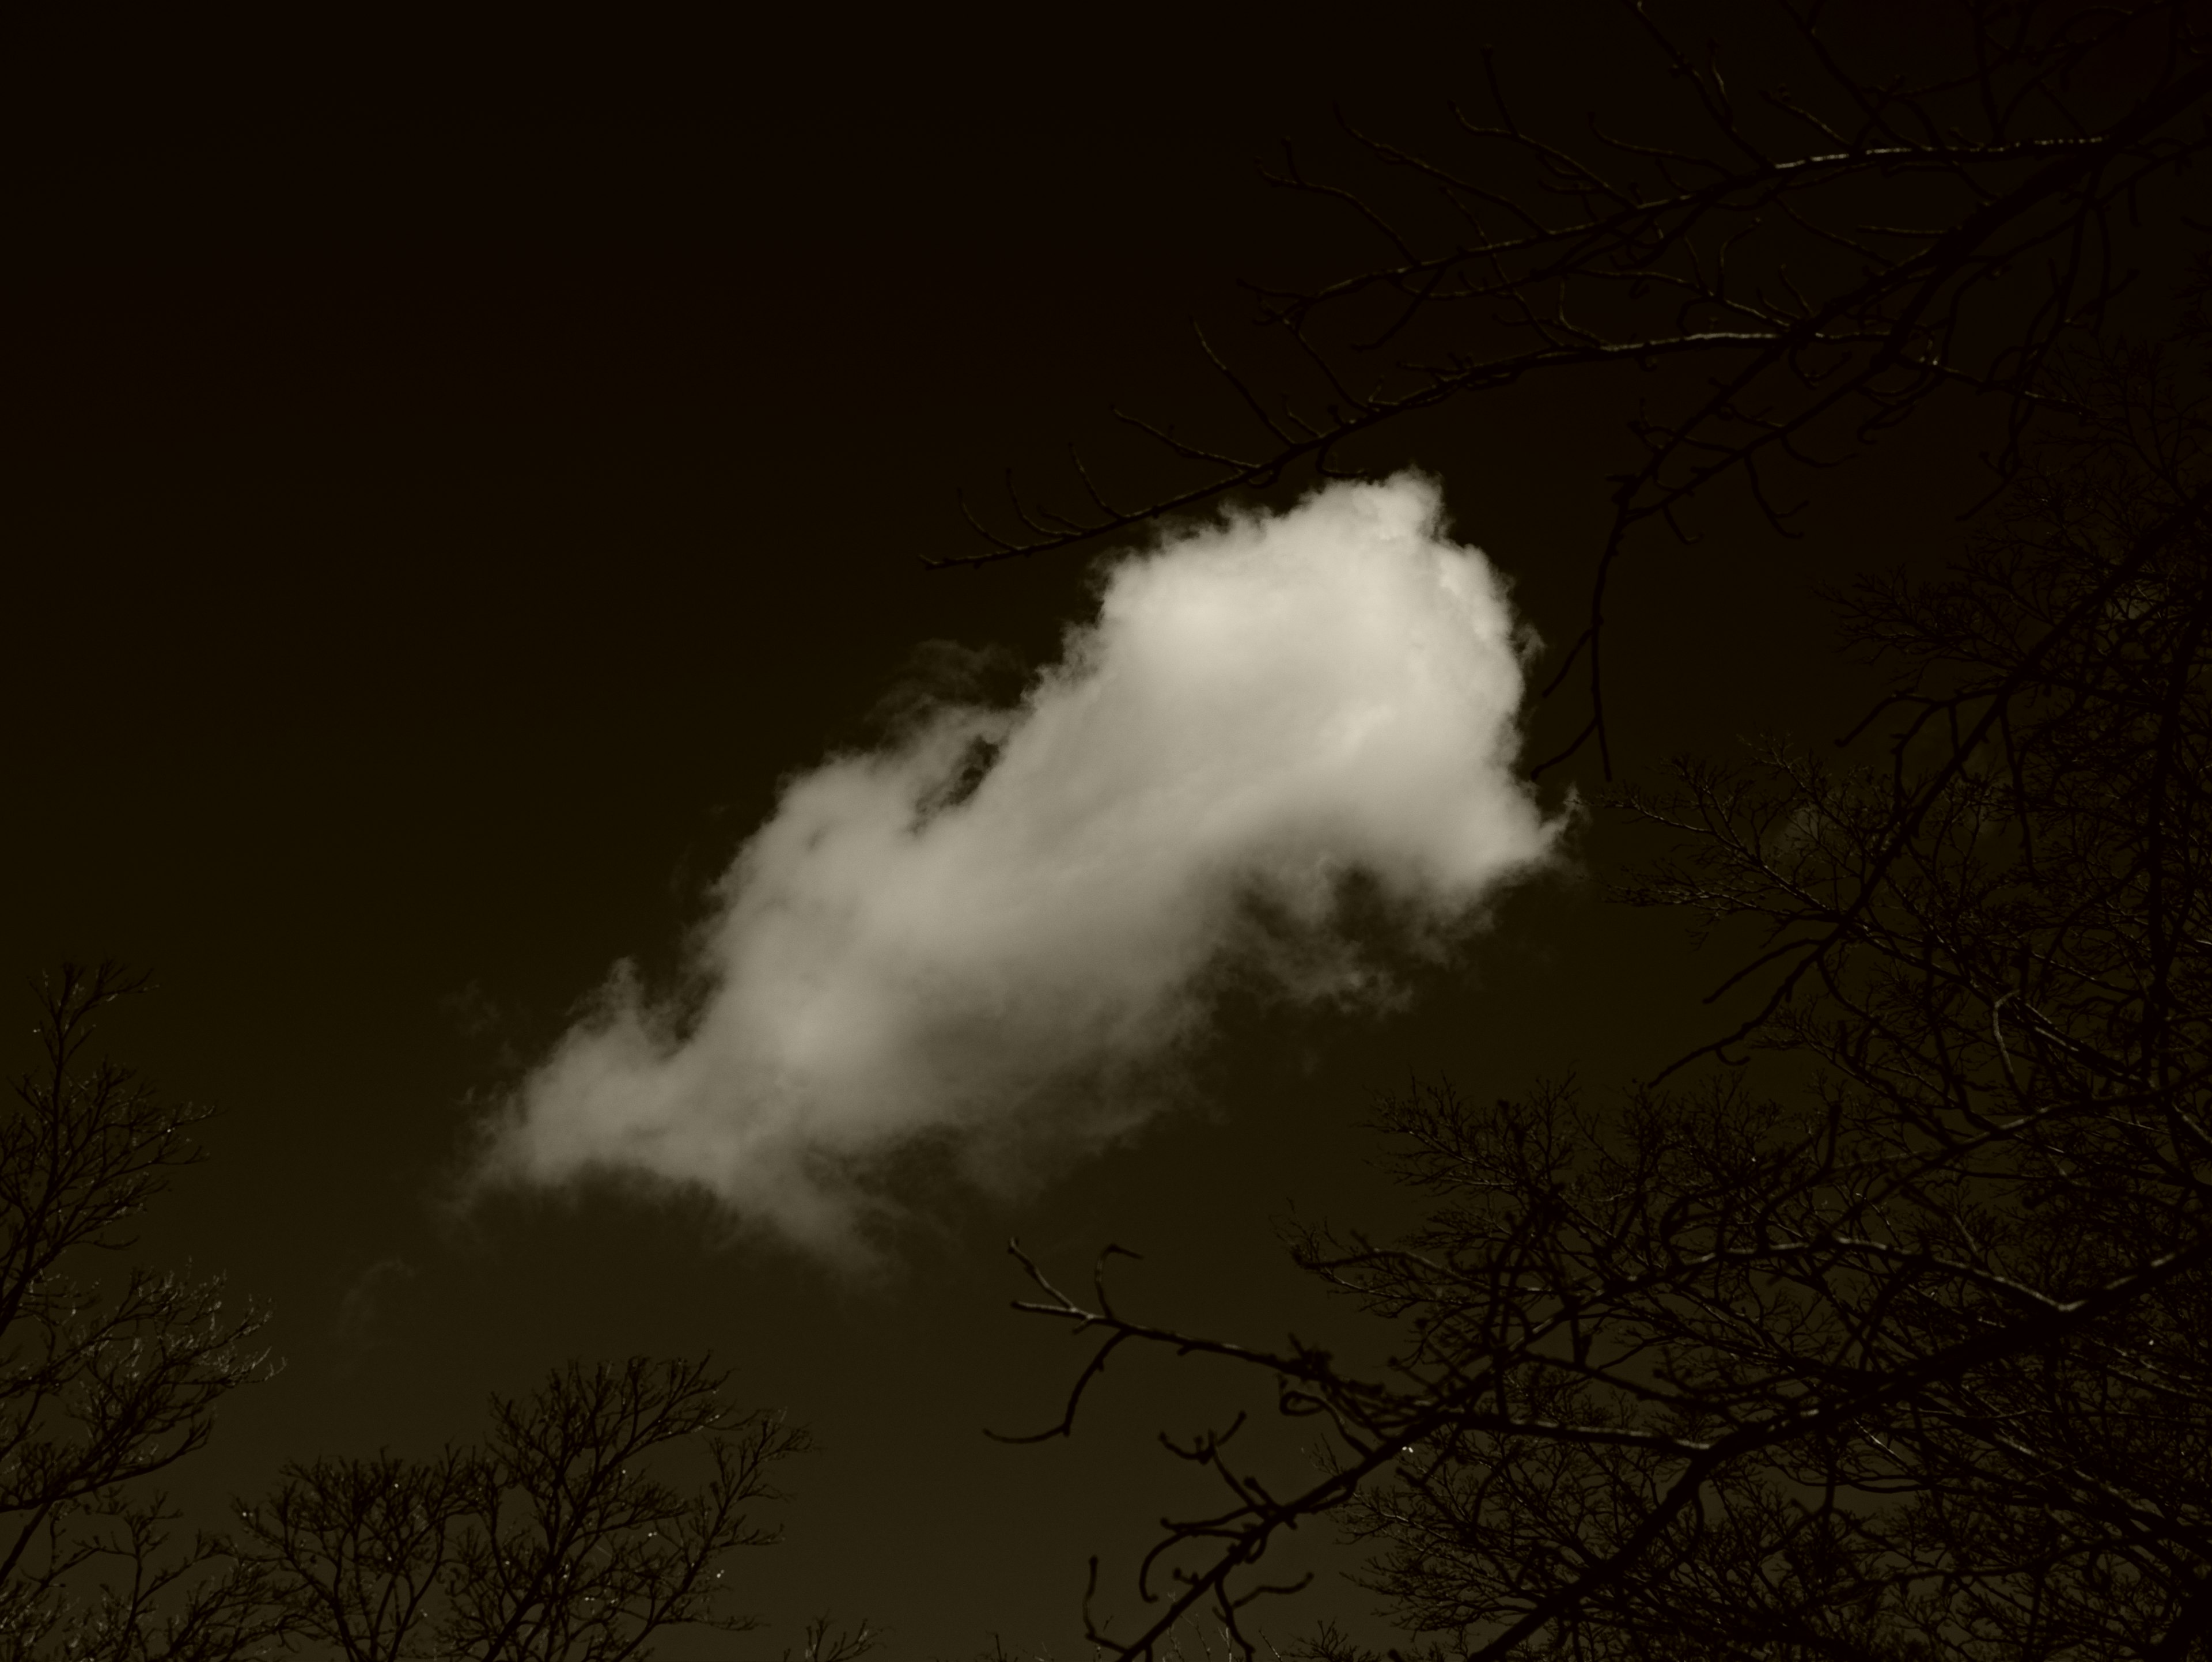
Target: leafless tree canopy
x=104, y=1383
x=1817, y=249
x=555, y=1542
x=600, y=1512
x=1914, y=1360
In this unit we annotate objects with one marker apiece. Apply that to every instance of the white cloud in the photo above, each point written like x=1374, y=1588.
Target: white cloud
x=996, y=935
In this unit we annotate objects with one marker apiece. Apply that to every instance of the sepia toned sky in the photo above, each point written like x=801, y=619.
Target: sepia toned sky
x=457, y=480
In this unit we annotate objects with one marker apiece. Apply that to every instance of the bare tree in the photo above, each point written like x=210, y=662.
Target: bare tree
x=1910, y=1353
x=561, y=1537
x=104, y=1386
x=557, y=1539
x=1814, y=254
x=1912, y=1362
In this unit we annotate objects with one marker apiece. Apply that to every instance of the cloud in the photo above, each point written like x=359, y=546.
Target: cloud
x=995, y=938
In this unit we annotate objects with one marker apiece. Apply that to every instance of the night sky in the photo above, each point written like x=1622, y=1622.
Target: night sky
x=452, y=482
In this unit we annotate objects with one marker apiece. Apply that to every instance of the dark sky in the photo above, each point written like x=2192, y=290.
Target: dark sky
x=452, y=480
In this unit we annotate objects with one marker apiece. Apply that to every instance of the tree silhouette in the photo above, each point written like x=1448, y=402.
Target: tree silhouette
x=564, y=1535
x=1903, y=1349
x=554, y=1540
x=1812, y=252
x=104, y=1387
